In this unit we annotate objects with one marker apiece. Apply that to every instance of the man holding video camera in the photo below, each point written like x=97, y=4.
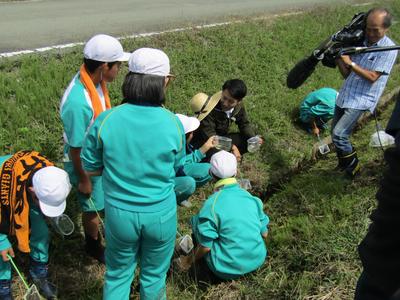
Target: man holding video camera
x=365, y=76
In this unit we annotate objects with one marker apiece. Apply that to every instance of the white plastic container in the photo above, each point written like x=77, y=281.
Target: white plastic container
x=253, y=144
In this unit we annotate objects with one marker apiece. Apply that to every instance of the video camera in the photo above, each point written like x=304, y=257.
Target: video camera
x=352, y=35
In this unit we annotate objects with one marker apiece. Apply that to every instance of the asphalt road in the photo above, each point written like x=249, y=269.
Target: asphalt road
x=34, y=24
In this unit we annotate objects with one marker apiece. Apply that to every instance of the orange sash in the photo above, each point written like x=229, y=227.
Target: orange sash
x=15, y=178
x=93, y=94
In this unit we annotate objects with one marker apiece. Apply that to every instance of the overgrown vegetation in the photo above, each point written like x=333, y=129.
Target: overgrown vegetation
x=317, y=218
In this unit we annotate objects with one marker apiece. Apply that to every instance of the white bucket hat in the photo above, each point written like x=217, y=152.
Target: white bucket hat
x=190, y=124
x=223, y=164
x=51, y=186
x=149, y=61
x=105, y=48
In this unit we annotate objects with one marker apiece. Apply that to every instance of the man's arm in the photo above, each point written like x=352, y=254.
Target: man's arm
x=369, y=75
x=343, y=68
x=244, y=124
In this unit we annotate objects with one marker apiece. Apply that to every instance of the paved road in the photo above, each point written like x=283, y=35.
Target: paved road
x=33, y=24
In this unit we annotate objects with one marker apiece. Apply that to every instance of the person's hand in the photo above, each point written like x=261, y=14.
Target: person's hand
x=8, y=251
x=236, y=152
x=85, y=186
x=260, y=140
x=183, y=263
x=210, y=143
x=316, y=131
x=346, y=59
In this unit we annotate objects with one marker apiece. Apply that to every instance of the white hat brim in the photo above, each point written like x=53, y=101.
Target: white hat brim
x=52, y=211
x=193, y=124
x=125, y=57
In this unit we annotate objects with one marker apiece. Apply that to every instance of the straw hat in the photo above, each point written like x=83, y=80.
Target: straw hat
x=201, y=104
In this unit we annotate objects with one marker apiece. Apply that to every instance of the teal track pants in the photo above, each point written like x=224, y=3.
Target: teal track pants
x=132, y=237
x=38, y=242
x=197, y=175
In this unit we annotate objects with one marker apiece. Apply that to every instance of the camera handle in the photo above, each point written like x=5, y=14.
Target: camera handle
x=358, y=50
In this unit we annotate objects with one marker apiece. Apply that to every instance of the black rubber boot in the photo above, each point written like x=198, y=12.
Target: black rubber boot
x=341, y=162
x=352, y=165
x=94, y=248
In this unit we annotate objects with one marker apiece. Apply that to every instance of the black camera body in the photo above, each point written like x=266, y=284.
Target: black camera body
x=352, y=35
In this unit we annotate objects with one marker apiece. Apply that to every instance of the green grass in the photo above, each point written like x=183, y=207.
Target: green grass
x=317, y=217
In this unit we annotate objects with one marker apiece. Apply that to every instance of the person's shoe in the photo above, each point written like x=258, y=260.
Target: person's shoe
x=340, y=166
x=5, y=290
x=38, y=272
x=94, y=248
x=353, y=166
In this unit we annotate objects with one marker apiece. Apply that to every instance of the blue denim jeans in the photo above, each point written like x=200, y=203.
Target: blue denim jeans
x=343, y=124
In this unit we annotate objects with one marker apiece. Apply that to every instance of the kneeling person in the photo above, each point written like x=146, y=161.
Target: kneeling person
x=230, y=229
x=193, y=174
x=217, y=113
x=31, y=188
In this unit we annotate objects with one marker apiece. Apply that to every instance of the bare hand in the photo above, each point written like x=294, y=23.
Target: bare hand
x=316, y=131
x=85, y=186
x=8, y=251
x=210, y=143
x=346, y=59
x=236, y=152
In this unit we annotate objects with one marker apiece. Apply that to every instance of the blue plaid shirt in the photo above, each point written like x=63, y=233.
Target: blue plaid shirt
x=359, y=93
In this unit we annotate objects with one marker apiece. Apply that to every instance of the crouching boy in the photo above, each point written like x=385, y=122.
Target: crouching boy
x=31, y=189
x=193, y=174
x=229, y=230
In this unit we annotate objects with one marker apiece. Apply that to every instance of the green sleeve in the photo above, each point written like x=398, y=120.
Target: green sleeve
x=205, y=226
x=76, y=116
x=194, y=157
x=4, y=242
x=181, y=150
x=92, y=150
x=264, y=219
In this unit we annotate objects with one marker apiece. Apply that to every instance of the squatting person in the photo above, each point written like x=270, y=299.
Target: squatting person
x=230, y=229
x=32, y=188
x=216, y=114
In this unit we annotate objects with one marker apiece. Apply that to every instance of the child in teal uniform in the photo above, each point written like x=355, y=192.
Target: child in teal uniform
x=317, y=109
x=137, y=147
x=31, y=189
x=193, y=174
x=230, y=228
x=84, y=99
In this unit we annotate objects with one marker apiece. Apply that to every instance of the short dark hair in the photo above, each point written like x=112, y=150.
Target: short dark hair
x=142, y=89
x=91, y=65
x=387, y=20
x=236, y=88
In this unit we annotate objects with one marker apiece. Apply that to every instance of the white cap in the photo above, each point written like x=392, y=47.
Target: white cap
x=149, y=61
x=190, y=124
x=105, y=48
x=223, y=164
x=51, y=186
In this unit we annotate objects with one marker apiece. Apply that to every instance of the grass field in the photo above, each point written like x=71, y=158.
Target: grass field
x=317, y=216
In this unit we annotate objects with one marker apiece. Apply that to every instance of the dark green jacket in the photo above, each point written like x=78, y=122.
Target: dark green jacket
x=217, y=123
